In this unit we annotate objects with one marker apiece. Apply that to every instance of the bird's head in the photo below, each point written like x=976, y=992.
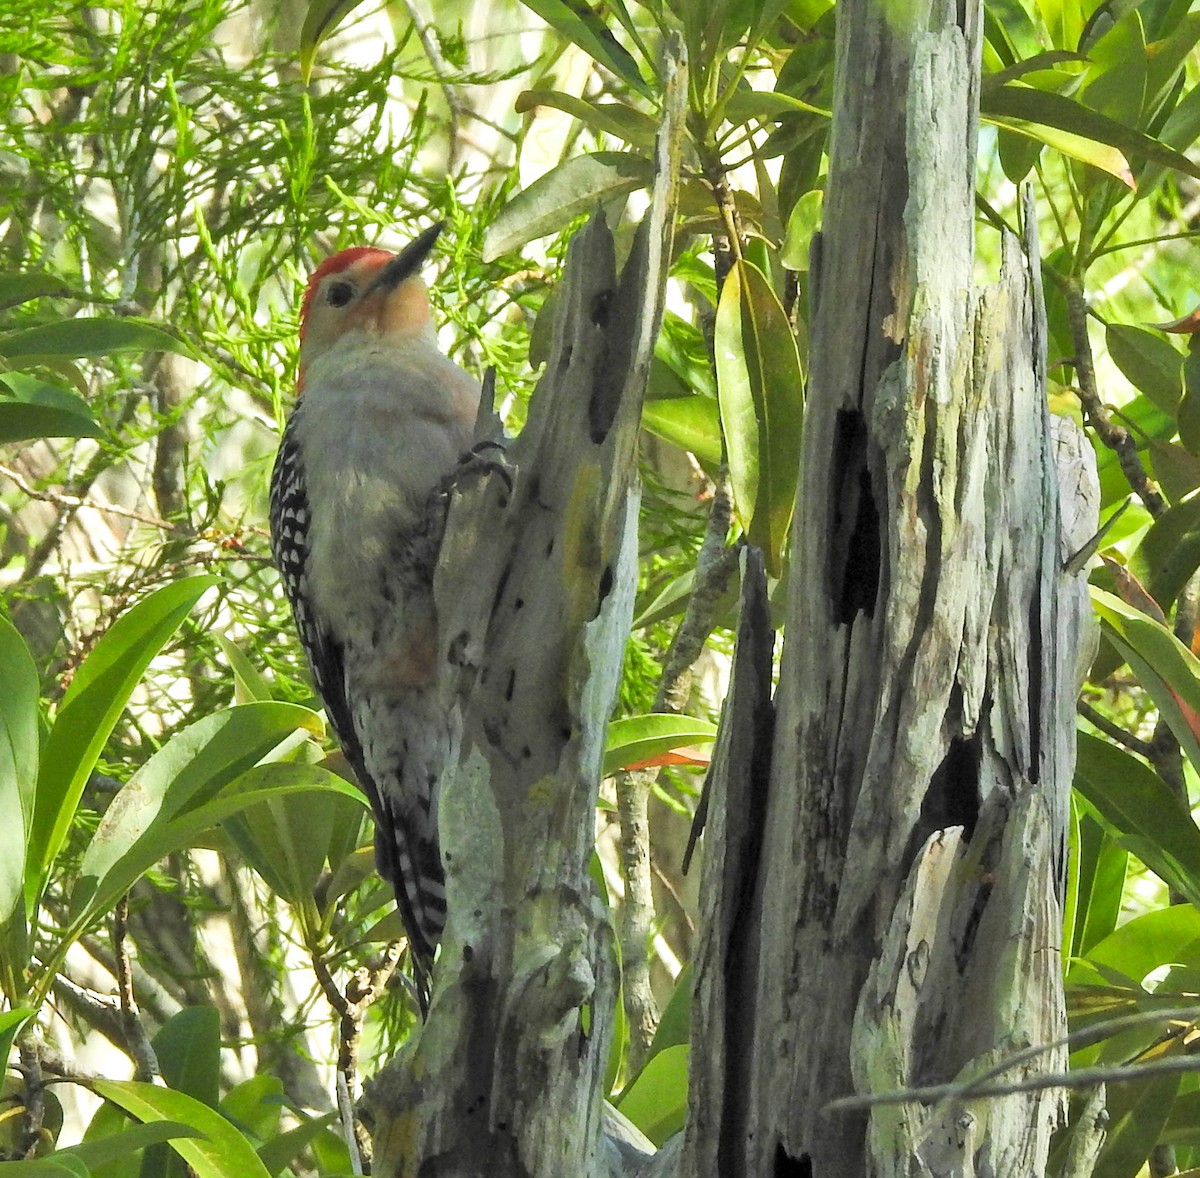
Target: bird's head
x=369, y=290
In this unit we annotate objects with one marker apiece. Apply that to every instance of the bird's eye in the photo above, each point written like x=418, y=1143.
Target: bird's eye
x=339, y=294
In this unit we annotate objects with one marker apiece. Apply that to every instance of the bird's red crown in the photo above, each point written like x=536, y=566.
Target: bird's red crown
x=335, y=264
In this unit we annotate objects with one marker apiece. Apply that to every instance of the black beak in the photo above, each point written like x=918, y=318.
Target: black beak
x=409, y=260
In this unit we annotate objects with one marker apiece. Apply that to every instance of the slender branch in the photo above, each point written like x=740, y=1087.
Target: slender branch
x=137, y=1042
x=33, y=1119
x=714, y=566
x=62, y=499
x=433, y=51
x=1116, y=437
x=1098, y=719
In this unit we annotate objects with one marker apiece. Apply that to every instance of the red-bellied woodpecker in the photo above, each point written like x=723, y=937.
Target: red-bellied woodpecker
x=382, y=420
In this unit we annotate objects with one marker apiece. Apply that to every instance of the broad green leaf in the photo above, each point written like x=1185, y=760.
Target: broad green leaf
x=1165, y=57
x=90, y=709
x=613, y=118
x=639, y=738
x=58, y=1166
x=768, y=104
x=803, y=222
x=1137, y=1113
x=657, y=1100
x=1136, y=801
x=571, y=189
x=1169, y=552
x=1188, y=416
x=1180, y=131
x=1079, y=147
x=671, y=600
x=31, y=408
x=578, y=23
x=255, y=1105
x=1103, y=866
x=21, y=288
x=675, y=1025
x=223, y=1153
x=1166, y=936
x=286, y=840
x=1163, y=665
x=143, y=822
x=11, y=1022
x=1148, y=362
x=284, y=1148
x=692, y=423
x=188, y=1047
x=1116, y=82
x=1016, y=101
x=103, y=1150
x=1177, y=471
x=322, y=17
x=761, y=395
x=80, y=338
x=18, y=761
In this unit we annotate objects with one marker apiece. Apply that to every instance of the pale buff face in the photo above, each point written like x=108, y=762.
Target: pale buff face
x=350, y=299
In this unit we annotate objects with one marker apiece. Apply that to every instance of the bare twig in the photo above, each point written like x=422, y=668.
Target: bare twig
x=1097, y=718
x=62, y=499
x=714, y=566
x=137, y=1042
x=34, y=1116
x=441, y=67
x=362, y=990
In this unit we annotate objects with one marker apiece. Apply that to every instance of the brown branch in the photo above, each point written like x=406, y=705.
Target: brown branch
x=1098, y=719
x=137, y=1041
x=1116, y=437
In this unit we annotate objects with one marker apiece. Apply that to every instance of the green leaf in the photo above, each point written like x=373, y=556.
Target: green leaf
x=760, y=388
x=1016, y=101
x=657, y=1100
x=1177, y=471
x=286, y=840
x=90, y=709
x=255, y=1105
x=1137, y=1114
x=554, y=200
x=1169, y=552
x=11, y=1022
x=1163, y=665
x=281, y=1151
x=639, y=738
x=80, y=338
x=1079, y=147
x=1103, y=866
x=143, y=822
x=223, y=1153
x=34, y=409
x=103, y=1150
x=803, y=222
x=21, y=288
x=613, y=118
x=18, y=761
x=1136, y=801
x=188, y=1047
x=59, y=1166
x=1148, y=362
x=1165, y=936
x=322, y=17
x=576, y=21
x=250, y=685
x=692, y=423
x=1188, y=416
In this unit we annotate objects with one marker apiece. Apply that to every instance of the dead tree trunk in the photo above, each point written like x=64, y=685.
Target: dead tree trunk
x=889, y=915
x=535, y=595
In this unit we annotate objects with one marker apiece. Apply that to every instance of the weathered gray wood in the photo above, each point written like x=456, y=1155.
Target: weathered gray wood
x=915, y=830
x=534, y=592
